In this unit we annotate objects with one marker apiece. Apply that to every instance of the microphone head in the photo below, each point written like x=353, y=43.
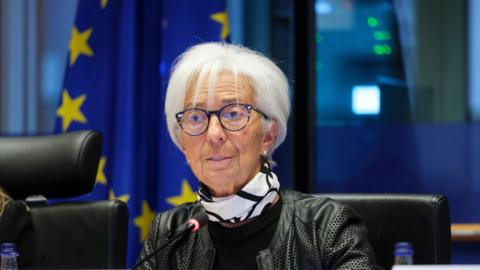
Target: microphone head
x=198, y=220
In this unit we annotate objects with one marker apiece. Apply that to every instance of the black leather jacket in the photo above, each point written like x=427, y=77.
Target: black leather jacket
x=312, y=233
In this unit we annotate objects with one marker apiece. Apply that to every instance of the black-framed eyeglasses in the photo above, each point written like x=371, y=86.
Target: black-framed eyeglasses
x=232, y=117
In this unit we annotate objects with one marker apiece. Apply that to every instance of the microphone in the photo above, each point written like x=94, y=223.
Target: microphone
x=192, y=225
x=197, y=221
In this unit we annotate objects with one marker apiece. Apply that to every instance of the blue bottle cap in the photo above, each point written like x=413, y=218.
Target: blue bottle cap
x=403, y=245
x=8, y=249
x=403, y=249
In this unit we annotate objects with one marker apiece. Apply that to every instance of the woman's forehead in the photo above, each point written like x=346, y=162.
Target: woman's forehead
x=224, y=89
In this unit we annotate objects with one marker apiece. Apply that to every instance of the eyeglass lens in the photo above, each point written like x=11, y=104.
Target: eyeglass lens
x=232, y=117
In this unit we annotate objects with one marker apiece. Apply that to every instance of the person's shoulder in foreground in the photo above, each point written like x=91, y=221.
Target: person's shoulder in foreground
x=16, y=226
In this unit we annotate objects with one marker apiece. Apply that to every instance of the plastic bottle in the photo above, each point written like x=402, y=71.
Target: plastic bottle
x=403, y=253
x=8, y=256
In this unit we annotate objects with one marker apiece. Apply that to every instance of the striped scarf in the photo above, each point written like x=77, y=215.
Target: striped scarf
x=256, y=196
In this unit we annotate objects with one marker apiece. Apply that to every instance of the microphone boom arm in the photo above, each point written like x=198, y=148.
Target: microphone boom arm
x=198, y=220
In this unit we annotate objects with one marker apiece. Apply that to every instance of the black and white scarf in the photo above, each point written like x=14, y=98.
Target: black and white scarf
x=250, y=201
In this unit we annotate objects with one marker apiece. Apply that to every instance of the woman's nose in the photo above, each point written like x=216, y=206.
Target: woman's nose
x=215, y=132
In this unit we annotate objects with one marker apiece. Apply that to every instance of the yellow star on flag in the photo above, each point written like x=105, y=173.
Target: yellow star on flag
x=104, y=3
x=143, y=221
x=222, y=18
x=123, y=198
x=101, y=178
x=187, y=195
x=79, y=44
x=70, y=110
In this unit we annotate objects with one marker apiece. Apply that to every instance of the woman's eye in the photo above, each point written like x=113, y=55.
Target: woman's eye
x=232, y=115
x=195, y=118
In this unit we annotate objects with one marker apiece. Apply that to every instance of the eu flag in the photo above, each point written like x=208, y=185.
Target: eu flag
x=119, y=58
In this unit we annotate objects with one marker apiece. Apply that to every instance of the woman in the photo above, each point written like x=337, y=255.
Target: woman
x=227, y=109
x=16, y=227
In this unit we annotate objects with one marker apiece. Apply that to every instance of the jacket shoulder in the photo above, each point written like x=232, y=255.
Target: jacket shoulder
x=313, y=207
x=168, y=221
x=308, y=201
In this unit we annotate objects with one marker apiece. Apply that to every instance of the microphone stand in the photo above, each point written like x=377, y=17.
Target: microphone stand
x=177, y=234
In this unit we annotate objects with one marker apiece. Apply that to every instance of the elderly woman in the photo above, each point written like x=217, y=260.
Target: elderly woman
x=227, y=109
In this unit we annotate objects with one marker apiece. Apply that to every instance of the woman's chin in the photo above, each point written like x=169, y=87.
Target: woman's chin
x=218, y=188
x=221, y=194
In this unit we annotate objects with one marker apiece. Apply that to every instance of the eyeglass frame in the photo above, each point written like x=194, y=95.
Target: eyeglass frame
x=249, y=107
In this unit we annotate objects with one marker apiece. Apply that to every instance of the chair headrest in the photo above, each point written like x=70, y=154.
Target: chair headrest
x=55, y=166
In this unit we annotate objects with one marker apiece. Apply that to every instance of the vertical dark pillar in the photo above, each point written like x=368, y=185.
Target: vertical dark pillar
x=304, y=95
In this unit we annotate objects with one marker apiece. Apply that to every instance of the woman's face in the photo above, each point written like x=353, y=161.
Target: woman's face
x=226, y=160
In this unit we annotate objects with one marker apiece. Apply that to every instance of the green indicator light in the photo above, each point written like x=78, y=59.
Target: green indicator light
x=372, y=21
x=382, y=35
x=378, y=49
x=387, y=49
x=319, y=38
x=382, y=49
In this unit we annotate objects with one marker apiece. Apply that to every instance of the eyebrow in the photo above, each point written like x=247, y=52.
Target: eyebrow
x=202, y=104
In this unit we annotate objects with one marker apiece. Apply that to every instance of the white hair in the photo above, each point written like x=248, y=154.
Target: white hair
x=211, y=59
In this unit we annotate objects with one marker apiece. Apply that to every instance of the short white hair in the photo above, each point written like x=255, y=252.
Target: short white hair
x=210, y=59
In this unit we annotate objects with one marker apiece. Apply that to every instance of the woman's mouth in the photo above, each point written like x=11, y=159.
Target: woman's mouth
x=219, y=161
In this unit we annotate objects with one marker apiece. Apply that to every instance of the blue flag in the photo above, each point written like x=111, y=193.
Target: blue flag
x=120, y=54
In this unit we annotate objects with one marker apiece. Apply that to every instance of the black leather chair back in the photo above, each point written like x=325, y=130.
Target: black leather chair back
x=84, y=235
x=423, y=220
x=55, y=166
x=72, y=235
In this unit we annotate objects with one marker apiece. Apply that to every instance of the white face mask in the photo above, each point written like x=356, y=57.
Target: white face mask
x=256, y=196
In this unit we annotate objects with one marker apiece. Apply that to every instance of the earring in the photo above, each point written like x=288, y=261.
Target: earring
x=264, y=152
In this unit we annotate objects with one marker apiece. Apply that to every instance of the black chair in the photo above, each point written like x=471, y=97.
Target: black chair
x=71, y=234
x=423, y=220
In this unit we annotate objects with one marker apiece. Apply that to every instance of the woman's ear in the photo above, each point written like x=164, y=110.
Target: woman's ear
x=269, y=136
